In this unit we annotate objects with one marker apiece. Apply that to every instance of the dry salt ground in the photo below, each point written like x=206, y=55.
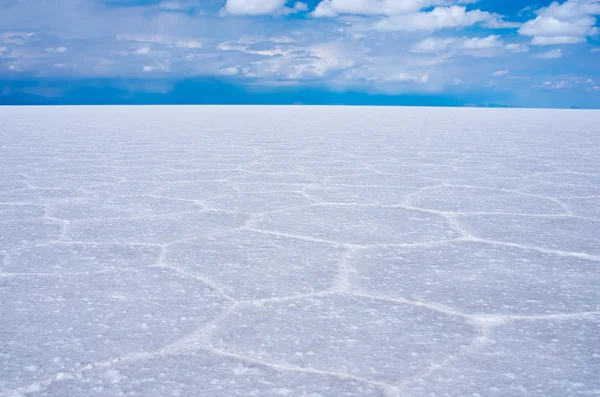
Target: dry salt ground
x=299, y=251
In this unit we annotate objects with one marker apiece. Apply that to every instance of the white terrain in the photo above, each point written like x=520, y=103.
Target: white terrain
x=299, y=251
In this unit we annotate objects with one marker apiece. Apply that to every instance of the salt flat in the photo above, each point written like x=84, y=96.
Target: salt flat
x=299, y=251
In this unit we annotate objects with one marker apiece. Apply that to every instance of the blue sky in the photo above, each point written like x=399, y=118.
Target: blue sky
x=422, y=52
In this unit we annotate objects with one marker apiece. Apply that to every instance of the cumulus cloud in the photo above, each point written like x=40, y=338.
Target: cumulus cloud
x=571, y=22
x=331, y=8
x=367, y=43
x=552, y=54
x=433, y=44
x=591, y=86
x=476, y=43
x=142, y=51
x=553, y=27
x=438, y=18
x=541, y=40
x=299, y=6
x=289, y=61
x=257, y=7
x=514, y=47
x=571, y=9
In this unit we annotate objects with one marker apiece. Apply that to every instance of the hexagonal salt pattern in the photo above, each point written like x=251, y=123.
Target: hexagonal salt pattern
x=538, y=358
x=359, y=194
x=254, y=202
x=19, y=233
x=298, y=251
x=153, y=229
x=480, y=278
x=369, y=338
x=205, y=374
x=586, y=207
x=63, y=324
x=20, y=212
x=250, y=265
x=468, y=199
x=359, y=225
x=66, y=258
x=120, y=207
x=559, y=233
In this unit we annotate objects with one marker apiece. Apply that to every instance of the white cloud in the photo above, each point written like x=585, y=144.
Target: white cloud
x=571, y=22
x=3, y=50
x=231, y=71
x=299, y=55
x=551, y=27
x=437, y=60
x=410, y=78
x=250, y=39
x=159, y=67
x=552, y=54
x=433, y=44
x=255, y=7
x=571, y=9
x=595, y=50
x=330, y=8
x=438, y=18
x=499, y=73
x=190, y=44
x=14, y=68
x=592, y=86
x=170, y=5
x=17, y=38
x=541, y=40
x=329, y=56
x=457, y=81
x=142, y=51
x=514, y=47
x=57, y=50
x=499, y=23
x=476, y=43
x=299, y=6
x=60, y=65
x=163, y=40
x=556, y=85
x=242, y=47
x=293, y=61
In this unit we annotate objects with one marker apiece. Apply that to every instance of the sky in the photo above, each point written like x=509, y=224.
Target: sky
x=514, y=53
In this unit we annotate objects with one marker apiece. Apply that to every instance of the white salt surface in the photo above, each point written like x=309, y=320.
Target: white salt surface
x=299, y=251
